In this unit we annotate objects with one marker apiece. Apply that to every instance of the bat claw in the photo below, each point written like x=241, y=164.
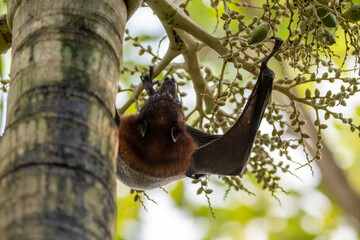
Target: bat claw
x=151, y=70
x=147, y=82
x=145, y=78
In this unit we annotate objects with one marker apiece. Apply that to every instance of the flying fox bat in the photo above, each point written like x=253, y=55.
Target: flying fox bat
x=156, y=146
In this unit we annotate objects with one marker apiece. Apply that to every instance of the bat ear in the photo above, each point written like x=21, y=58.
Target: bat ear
x=174, y=133
x=144, y=127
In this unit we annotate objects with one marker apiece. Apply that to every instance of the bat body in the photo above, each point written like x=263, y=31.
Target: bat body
x=156, y=146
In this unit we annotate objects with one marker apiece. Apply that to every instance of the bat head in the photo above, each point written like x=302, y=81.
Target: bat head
x=155, y=142
x=162, y=114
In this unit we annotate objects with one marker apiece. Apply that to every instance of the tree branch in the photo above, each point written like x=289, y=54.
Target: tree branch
x=175, y=49
x=192, y=66
x=132, y=6
x=170, y=14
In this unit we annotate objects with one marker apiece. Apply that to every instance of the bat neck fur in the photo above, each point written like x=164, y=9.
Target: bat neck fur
x=146, y=142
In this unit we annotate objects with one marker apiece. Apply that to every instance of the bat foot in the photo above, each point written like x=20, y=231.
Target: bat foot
x=147, y=82
x=277, y=45
x=146, y=78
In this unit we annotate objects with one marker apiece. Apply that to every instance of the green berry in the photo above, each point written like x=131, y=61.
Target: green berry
x=353, y=13
x=259, y=33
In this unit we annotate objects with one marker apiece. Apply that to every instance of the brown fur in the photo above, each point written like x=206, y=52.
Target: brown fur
x=155, y=154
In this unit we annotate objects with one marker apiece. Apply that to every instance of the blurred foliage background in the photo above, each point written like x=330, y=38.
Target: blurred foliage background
x=306, y=209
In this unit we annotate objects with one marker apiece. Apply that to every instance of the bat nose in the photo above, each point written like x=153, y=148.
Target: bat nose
x=169, y=83
x=168, y=87
x=168, y=79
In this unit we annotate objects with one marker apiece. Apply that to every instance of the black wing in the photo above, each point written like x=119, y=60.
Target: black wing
x=228, y=154
x=200, y=137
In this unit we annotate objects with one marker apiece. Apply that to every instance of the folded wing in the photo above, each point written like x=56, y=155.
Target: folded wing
x=228, y=154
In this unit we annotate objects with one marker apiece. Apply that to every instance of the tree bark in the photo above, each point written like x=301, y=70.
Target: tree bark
x=59, y=148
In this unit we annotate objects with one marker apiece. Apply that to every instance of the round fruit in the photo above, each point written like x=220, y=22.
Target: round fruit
x=259, y=33
x=353, y=13
x=327, y=18
x=330, y=20
x=321, y=12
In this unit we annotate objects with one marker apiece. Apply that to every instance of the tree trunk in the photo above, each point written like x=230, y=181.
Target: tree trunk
x=58, y=152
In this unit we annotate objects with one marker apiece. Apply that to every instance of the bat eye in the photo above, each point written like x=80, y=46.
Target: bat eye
x=174, y=133
x=144, y=127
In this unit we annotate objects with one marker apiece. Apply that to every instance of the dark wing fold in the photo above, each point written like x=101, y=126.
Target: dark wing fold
x=228, y=154
x=200, y=137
